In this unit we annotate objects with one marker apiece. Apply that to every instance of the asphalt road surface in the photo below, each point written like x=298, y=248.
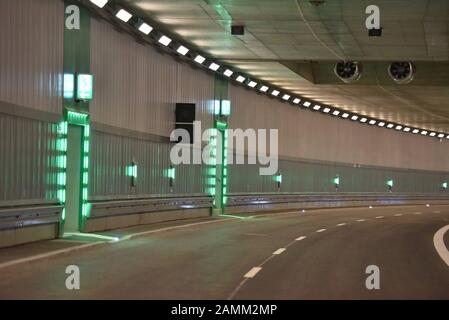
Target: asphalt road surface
x=326, y=255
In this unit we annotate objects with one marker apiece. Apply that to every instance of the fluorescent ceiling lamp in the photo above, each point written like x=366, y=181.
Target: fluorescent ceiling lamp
x=336, y=112
x=447, y=137
x=296, y=101
x=264, y=88
x=214, y=66
x=228, y=73
x=354, y=118
x=424, y=132
x=390, y=125
x=441, y=135
x=275, y=93
x=164, y=40
x=145, y=28
x=398, y=127
x=345, y=115
x=182, y=50
x=306, y=104
x=317, y=107
x=199, y=59
x=415, y=131
x=406, y=129
x=381, y=124
x=252, y=84
x=326, y=110
x=123, y=15
x=99, y=3
x=286, y=97
x=371, y=122
x=432, y=134
x=240, y=79
x=363, y=120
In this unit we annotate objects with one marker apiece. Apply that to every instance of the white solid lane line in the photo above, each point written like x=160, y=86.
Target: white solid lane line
x=379, y=217
x=341, y=224
x=251, y=273
x=321, y=230
x=360, y=220
x=438, y=242
x=300, y=238
x=398, y=214
x=279, y=251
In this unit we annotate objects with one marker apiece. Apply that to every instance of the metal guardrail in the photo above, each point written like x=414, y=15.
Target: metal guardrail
x=131, y=206
x=19, y=216
x=258, y=199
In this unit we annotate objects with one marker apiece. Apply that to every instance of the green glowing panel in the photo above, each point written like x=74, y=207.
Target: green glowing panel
x=171, y=173
x=69, y=86
x=84, y=87
x=390, y=183
x=131, y=171
x=444, y=185
x=77, y=118
x=225, y=108
x=279, y=178
x=337, y=180
x=217, y=107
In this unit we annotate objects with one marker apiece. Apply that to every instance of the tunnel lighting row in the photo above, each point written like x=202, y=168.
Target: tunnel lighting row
x=245, y=80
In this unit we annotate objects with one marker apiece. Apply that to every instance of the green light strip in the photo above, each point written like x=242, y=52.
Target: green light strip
x=61, y=164
x=85, y=207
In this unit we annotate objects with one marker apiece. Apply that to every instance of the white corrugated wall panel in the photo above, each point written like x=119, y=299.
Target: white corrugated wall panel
x=309, y=135
x=31, y=53
x=137, y=87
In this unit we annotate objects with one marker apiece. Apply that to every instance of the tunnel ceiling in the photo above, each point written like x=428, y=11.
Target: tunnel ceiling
x=277, y=40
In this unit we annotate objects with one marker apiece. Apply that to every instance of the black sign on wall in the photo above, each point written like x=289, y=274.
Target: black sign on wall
x=185, y=116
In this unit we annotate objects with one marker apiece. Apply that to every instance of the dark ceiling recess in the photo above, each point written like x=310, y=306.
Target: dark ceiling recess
x=238, y=30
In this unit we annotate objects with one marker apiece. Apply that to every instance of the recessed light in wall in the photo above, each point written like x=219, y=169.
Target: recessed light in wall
x=182, y=50
x=275, y=93
x=252, y=84
x=199, y=59
x=165, y=40
x=398, y=127
x=354, y=118
x=424, y=132
x=432, y=134
x=286, y=97
x=372, y=122
x=123, y=15
x=381, y=124
x=415, y=131
x=390, y=125
x=99, y=3
x=406, y=129
x=316, y=107
x=228, y=73
x=306, y=104
x=441, y=135
x=296, y=100
x=145, y=28
x=336, y=112
x=240, y=79
x=326, y=110
x=213, y=66
x=363, y=120
x=264, y=88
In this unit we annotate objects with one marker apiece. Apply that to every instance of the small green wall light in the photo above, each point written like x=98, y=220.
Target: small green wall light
x=444, y=185
x=84, y=87
x=390, y=183
x=222, y=108
x=69, y=86
x=336, y=180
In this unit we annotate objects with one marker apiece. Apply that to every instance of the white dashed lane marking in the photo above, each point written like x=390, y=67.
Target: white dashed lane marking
x=321, y=230
x=300, y=238
x=341, y=224
x=360, y=220
x=279, y=251
x=251, y=273
x=398, y=214
x=379, y=217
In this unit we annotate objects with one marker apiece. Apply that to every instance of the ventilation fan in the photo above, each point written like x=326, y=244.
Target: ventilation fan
x=401, y=72
x=348, y=71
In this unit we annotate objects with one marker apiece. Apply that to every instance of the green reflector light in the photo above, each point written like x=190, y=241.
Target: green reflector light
x=69, y=86
x=77, y=118
x=279, y=178
x=131, y=170
x=171, y=173
x=444, y=185
x=390, y=182
x=337, y=180
x=217, y=107
x=84, y=87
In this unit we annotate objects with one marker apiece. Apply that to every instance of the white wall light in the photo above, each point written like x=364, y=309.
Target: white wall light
x=213, y=66
x=145, y=28
x=228, y=73
x=165, y=40
x=123, y=15
x=99, y=3
x=199, y=59
x=182, y=50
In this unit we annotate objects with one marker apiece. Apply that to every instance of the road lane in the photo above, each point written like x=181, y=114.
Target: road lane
x=210, y=261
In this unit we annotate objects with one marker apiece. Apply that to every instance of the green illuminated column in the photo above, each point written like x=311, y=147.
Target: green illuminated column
x=77, y=93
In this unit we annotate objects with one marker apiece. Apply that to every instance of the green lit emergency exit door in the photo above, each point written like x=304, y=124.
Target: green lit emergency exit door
x=73, y=180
